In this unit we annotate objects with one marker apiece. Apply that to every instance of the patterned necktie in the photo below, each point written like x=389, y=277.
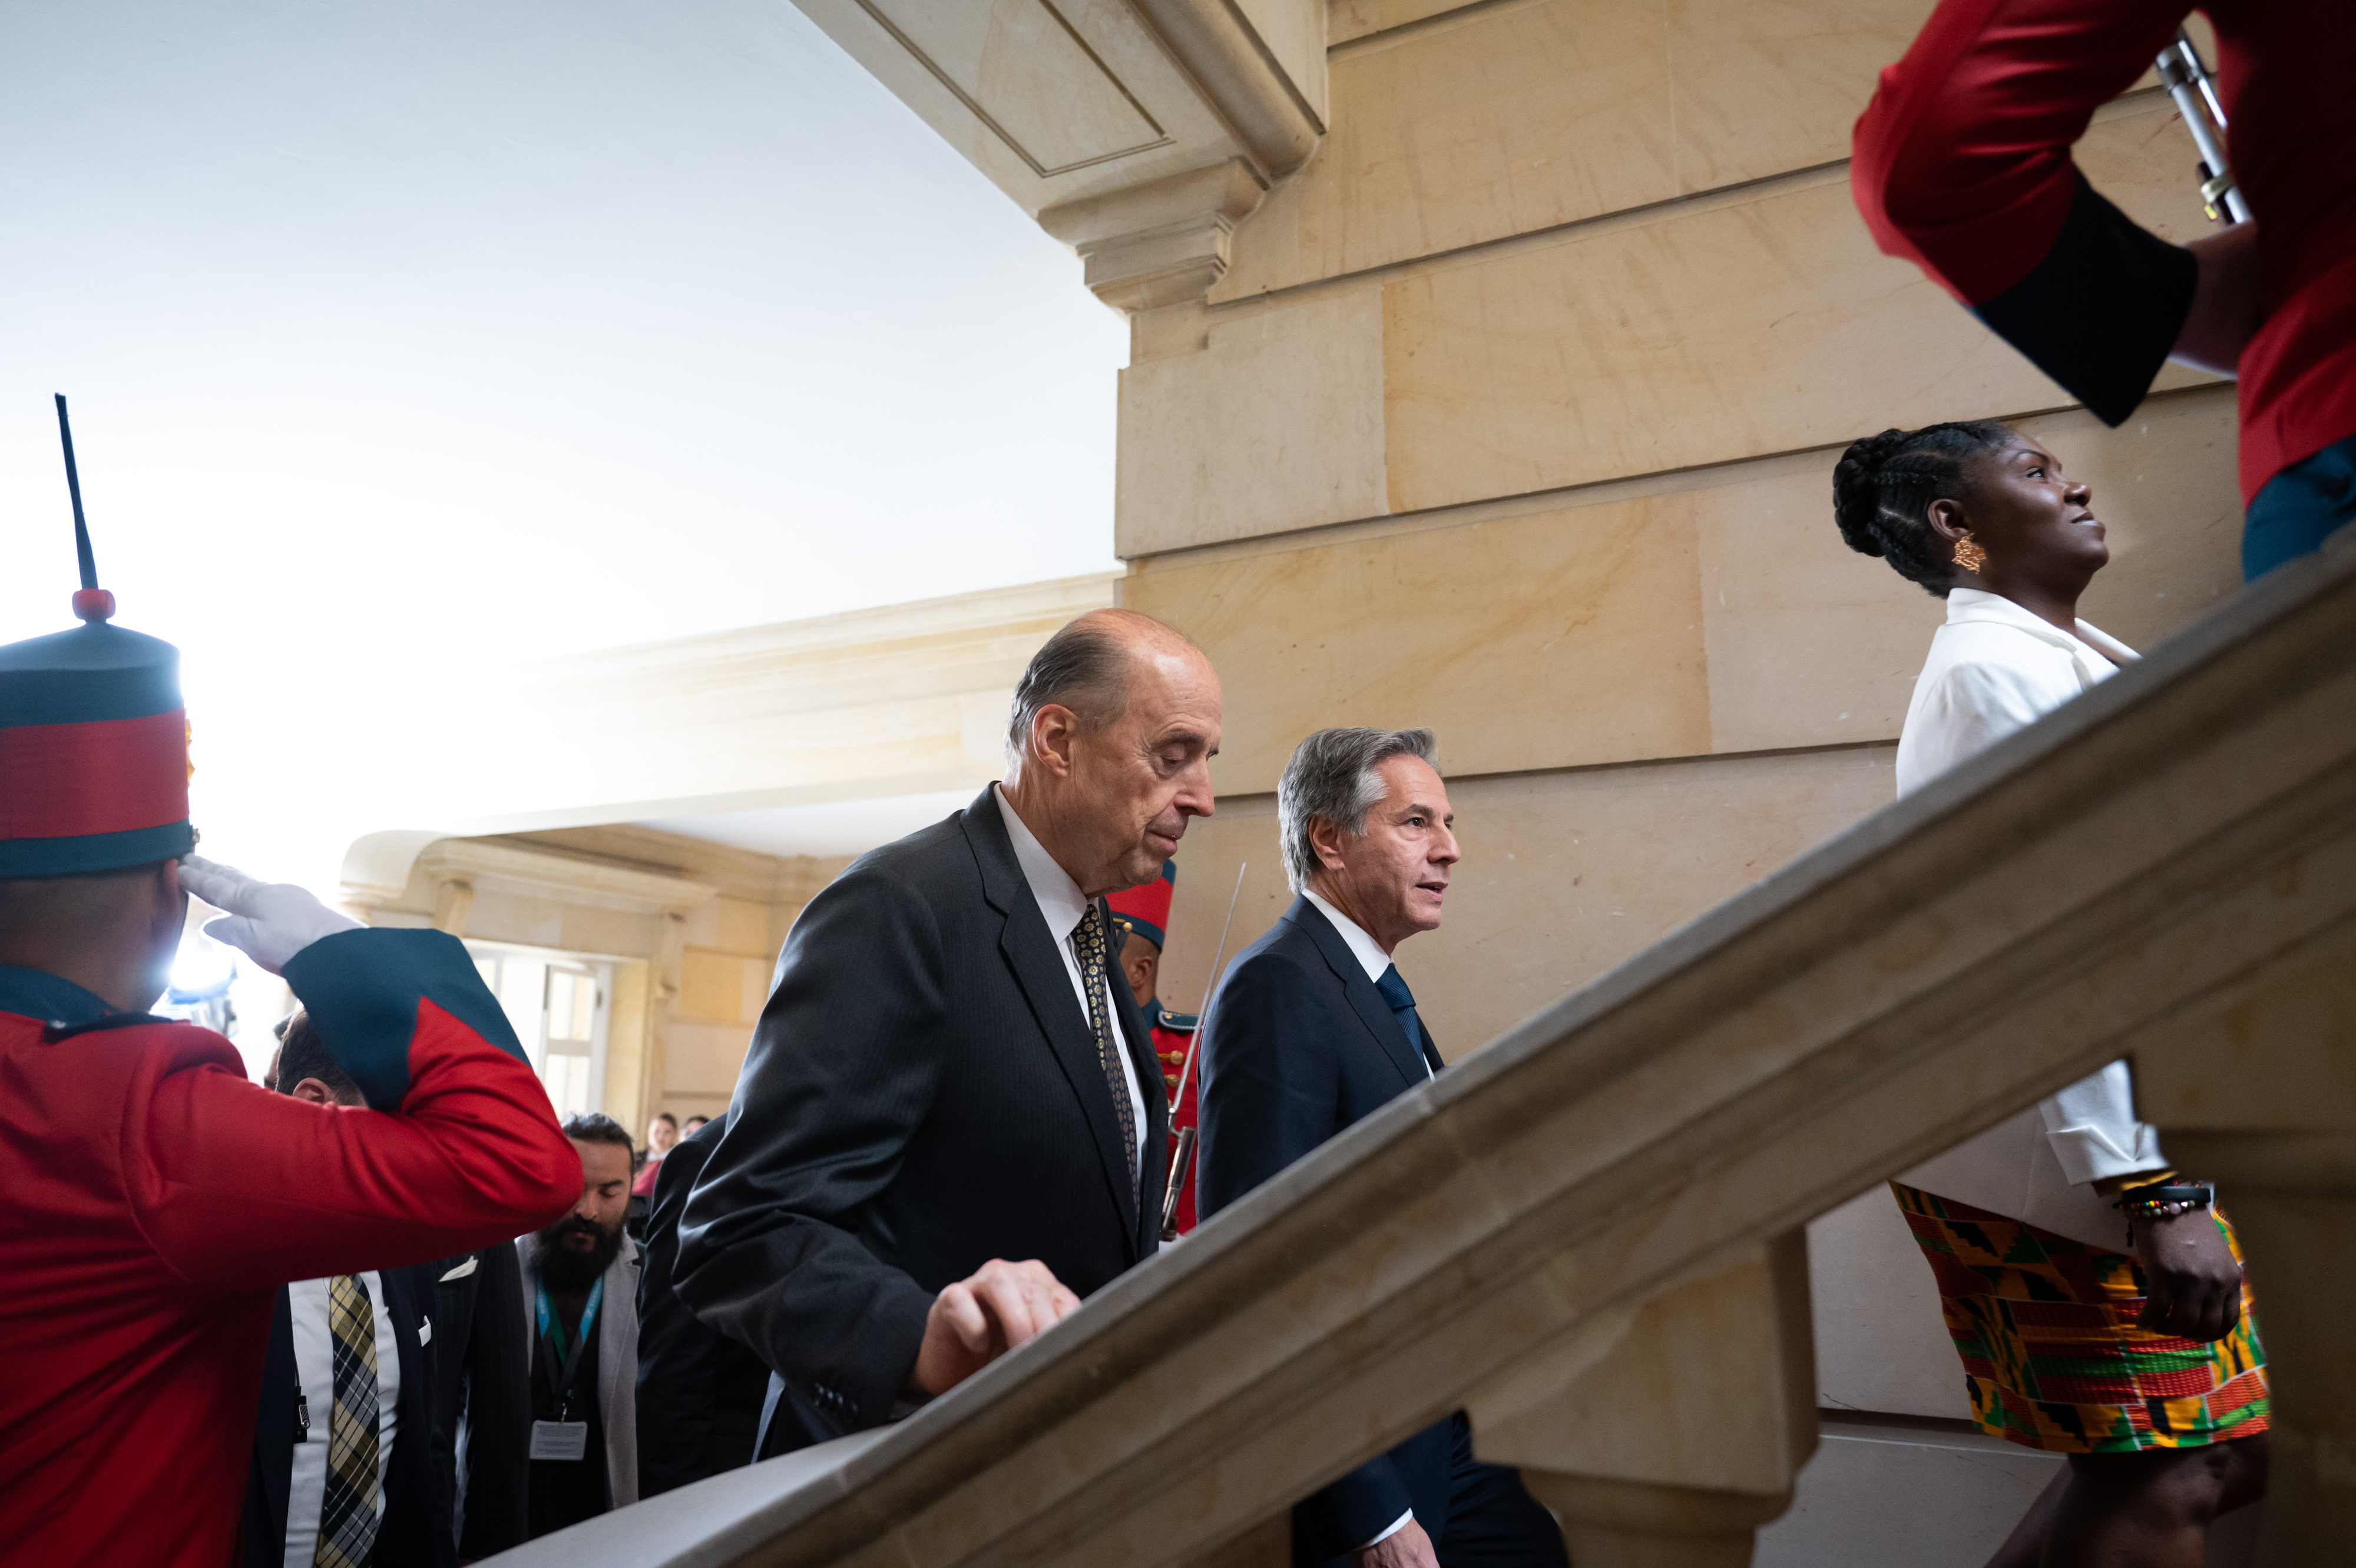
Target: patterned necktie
x=1402, y=1005
x=1090, y=933
x=347, y=1512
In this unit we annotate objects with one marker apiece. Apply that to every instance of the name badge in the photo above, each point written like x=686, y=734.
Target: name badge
x=560, y=1439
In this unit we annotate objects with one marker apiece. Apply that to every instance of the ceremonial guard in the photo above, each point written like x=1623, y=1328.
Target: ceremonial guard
x=1144, y=914
x=157, y=1200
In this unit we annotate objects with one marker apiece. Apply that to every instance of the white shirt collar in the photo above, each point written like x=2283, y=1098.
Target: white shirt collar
x=1364, y=948
x=1978, y=603
x=1060, y=898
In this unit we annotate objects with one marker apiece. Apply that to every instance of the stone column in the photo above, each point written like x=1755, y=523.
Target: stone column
x=454, y=903
x=1664, y=1435
x=2292, y=1197
x=1636, y=1524
x=2255, y=1090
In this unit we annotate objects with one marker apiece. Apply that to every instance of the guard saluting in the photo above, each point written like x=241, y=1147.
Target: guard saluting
x=156, y=1200
x=1144, y=913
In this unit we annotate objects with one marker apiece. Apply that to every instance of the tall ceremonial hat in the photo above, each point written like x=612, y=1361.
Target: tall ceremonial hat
x=1145, y=911
x=94, y=738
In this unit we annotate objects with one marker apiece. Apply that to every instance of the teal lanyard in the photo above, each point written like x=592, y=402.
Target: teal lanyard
x=551, y=1333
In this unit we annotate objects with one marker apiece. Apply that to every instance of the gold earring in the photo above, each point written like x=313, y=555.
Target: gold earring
x=1968, y=555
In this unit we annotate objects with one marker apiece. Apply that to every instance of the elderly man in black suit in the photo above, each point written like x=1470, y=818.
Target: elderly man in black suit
x=1312, y=1029
x=950, y=1127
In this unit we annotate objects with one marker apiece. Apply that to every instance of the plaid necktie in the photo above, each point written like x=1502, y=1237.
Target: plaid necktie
x=348, y=1510
x=1090, y=934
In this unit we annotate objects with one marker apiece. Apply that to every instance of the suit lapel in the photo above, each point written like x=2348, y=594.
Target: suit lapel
x=1373, y=1012
x=1039, y=968
x=274, y=1436
x=400, y=1305
x=527, y=1303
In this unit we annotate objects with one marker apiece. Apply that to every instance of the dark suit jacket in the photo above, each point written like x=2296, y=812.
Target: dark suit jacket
x=416, y=1524
x=483, y=1377
x=922, y=1095
x=1302, y=1045
x=700, y=1392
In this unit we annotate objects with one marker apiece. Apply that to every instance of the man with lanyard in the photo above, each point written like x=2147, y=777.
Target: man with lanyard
x=156, y=1199
x=581, y=1283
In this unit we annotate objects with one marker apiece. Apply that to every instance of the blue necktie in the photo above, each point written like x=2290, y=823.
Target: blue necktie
x=1402, y=1005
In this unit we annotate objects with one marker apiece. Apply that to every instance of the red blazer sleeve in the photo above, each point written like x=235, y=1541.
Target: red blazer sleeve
x=1961, y=166
x=237, y=1186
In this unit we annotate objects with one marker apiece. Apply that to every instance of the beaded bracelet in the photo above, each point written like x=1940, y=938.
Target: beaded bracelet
x=2164, y=1201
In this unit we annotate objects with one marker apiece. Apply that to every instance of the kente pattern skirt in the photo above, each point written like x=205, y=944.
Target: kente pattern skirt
x=2052, y=1358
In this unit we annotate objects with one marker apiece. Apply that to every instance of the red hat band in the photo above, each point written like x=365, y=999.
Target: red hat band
x=1146, y=910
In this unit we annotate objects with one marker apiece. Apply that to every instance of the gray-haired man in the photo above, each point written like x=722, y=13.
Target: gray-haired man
x=1312, y=1029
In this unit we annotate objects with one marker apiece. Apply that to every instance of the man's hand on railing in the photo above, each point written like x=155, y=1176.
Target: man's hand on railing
x=2195, y=1284
x=1406, y=1547
x=978, y=1319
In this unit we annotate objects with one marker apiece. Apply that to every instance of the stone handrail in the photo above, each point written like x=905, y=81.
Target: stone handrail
x=1586, y=1233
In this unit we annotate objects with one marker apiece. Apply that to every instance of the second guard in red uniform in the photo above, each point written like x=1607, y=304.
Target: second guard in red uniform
x=1144, y=914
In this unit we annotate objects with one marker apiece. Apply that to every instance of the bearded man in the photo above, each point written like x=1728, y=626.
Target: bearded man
x=581, y=1313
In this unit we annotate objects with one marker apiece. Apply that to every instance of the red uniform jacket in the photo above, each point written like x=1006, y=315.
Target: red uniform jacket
x=152, y=1201
x=1173, y=1033
x=1963, y=165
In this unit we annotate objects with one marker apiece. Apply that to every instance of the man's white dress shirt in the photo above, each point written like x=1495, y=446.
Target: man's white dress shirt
x=315, y=1374
x=1994, y=667
x=1065, y=906
x=1373, y=961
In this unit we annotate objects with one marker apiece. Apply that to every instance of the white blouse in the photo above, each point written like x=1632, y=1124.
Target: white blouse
x=1995, y=667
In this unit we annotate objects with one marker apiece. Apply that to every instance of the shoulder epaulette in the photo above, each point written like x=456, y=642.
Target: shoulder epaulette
x=1177, y=1023
x=53, y=1032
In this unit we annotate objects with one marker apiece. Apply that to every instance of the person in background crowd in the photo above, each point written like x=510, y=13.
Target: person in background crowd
x=2143, y=1366
x=700, y=1392
x=1316, y=1030
x=662, y=1136
x=1143, y=917
x=945, y=1130
x=482, y=1396
x=344, y=1454
x=156, y=1198
x=687, y=1128
x=1963, y=166
x=580, y=1304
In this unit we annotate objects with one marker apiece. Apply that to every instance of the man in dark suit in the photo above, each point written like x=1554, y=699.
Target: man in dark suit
x=354, y=1353
x=700, y=1392
x=482, y=1396
x=1312, y=1029
x=950, y=1127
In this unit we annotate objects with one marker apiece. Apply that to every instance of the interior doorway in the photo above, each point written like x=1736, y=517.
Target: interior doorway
x=561, y=1006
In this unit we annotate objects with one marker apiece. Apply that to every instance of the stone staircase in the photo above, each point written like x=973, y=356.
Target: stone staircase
x=1591, y=1233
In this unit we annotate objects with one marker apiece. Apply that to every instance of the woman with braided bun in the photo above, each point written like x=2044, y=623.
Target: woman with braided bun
x=2143, y=1366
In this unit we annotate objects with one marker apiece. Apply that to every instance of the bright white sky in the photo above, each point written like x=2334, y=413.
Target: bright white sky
x=407, y=337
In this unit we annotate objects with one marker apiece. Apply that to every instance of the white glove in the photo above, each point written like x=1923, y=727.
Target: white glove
x=268, y=921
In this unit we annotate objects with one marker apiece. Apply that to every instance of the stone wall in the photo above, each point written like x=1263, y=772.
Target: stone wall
x=1515, y=415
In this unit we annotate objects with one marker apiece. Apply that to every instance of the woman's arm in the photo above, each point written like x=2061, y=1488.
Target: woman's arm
x=2192, y=1277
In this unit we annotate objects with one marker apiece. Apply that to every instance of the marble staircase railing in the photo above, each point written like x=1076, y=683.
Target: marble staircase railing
x=1588, y=1233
